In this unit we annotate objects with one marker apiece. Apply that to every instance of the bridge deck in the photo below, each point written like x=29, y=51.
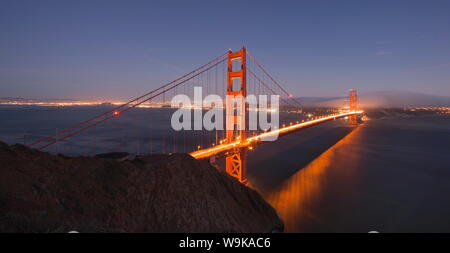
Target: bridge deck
x=207, y=152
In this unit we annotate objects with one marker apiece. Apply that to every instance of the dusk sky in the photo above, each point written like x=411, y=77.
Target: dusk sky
x=120, y=49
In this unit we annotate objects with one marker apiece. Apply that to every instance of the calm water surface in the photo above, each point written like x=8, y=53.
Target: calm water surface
x=389, y=175
x=138, y=131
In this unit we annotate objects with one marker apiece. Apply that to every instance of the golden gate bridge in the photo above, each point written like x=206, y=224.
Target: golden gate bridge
x=233, y=74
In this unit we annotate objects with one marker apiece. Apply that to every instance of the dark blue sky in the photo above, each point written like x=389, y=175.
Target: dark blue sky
x=119, y=49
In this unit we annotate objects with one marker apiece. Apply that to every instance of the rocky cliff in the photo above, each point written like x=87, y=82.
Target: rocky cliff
x=40, y=192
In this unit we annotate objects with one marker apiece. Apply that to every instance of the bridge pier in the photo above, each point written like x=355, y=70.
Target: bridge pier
x=236, y=164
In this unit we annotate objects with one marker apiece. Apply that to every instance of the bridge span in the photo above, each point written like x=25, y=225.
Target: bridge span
x=257, y=139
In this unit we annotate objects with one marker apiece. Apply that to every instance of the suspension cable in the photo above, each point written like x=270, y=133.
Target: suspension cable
x=281, y=87
x=125, y=104
x=130, y=107
x=265, y=85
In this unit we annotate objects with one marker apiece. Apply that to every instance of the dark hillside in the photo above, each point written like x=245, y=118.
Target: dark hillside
x=40, y=192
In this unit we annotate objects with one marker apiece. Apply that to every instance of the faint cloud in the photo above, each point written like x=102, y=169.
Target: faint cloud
x=432, y=66
x=156, y=60
x=382, y=46
x=383, y=42
x=381, y=53
x=20, y=71
x=149, y=57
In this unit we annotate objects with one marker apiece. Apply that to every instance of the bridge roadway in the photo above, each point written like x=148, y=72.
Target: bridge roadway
x=251, y=141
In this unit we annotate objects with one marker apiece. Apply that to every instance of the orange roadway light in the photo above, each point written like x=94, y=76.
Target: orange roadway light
x=207, y=152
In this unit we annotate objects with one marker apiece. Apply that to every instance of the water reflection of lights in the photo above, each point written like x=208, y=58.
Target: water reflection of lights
x=294, y=198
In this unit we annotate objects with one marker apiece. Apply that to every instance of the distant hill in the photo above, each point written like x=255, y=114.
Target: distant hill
x=393, y=98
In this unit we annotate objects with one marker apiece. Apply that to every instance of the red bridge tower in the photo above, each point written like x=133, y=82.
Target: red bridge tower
x=353, y=106
x=236, y=114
